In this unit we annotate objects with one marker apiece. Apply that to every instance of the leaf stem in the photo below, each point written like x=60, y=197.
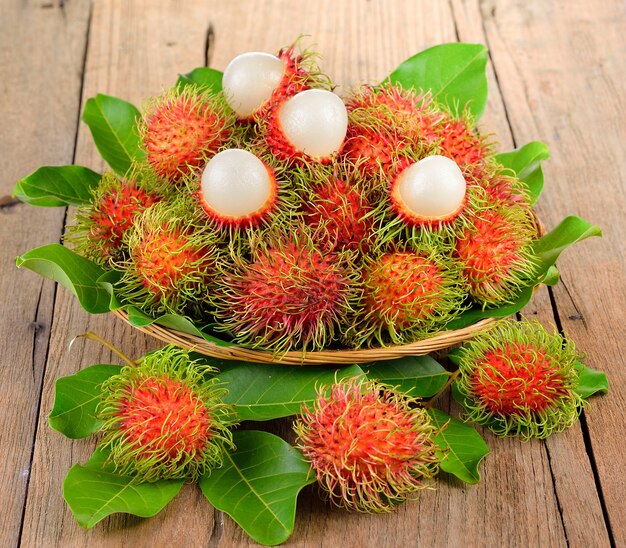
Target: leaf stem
x=450, y=380
x=92, y=336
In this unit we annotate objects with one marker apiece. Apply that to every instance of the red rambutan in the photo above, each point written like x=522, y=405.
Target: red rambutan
x=459, y=141
x=496, y=254
x=165, y=418
x=100, y=226
x=518, y=378
x=289, y=295
x=370, y=447
x=181, y=128
x=171, y=264
x=407, y=295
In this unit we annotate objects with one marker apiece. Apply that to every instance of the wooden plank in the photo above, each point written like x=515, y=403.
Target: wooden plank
x=135, y=50
x=561, y=81
x=39, y=99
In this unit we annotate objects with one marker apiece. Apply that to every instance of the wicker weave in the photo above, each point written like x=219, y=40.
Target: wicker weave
x=437, y=341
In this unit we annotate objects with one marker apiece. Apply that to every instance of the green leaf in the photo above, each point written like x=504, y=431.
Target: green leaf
x=454, y=73
x=258, y=485
x=552, y=276
x=570, y=231
x=57, y=186
x=269, y=391
x=591, y=381
x=547, y=250
x=77, y=274
x=418, y=376
x=526, y=163
x=202, y=76
x=76, y=398
x=113, y=125
x=461, y=446
x=94, y=491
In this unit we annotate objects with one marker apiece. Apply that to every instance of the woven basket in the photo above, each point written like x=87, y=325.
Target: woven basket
x=437, y=341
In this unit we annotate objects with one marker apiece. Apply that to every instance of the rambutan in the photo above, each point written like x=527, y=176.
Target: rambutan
x=337, y=208
x=370, y=447
x=520, y=379
x=382, y=122
x=407, y=294
x=171, y=264
x=496, y=254
x=289, y=295
x=307, y=127
x=182, y=127
x=165, y=418
x=100, y=226
x=254, y=81
x=505, y=189
x=460, y=141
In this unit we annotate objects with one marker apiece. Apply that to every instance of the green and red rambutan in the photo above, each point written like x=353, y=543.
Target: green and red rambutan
x=171, y=263
x=520, y=379
x=183, y=126
x=505, y=188
x=382, y=122
x=408, y=294
x=496, y=253
x=100, y=226
x=336, y=206
x=290, y=294
x=165, y=418
x=370, y=447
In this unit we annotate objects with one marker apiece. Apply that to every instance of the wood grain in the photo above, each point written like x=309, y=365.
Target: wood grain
x=554, y=77
x=40, y=64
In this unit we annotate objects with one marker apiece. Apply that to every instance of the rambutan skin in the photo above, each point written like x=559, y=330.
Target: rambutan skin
x=407, y=295
x=370, y=447
x=99, y=226
x=519, y=379
x=496, y=253
x=165, y=418
x=182, y=127
x=290, y=294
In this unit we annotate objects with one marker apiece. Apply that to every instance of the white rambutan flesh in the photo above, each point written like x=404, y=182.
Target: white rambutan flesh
x=432, y=188
x=236, y=184
x=249, y=81
x=315, y=122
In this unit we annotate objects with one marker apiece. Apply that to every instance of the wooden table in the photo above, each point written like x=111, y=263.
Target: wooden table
x=556, y=75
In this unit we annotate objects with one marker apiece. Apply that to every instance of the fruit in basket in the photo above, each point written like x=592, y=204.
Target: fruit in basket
x=496, y=253
x=520, y=379
x=238, y=189
x=369, y=446
x=170, y=264
x=165, y=418
x=253, y=81
x=406, y=294
x=308, y=127
x=99, y=227
x=181, y=128
x=288, y=294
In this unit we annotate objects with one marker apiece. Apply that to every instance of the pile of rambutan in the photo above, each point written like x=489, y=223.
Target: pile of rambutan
x=260, y=208
x=281, y=216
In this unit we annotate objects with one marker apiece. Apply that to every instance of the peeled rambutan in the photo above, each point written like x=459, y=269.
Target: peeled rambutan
x=182, y=127
x=336, y=206
x=171, y=264
x=370, y=447
x=254, y=81
x=496, y=254
x=289, y=295
x=520, y=379
x=407, y=295
x=100, y=226
x=307, y=127
x=165, y=418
